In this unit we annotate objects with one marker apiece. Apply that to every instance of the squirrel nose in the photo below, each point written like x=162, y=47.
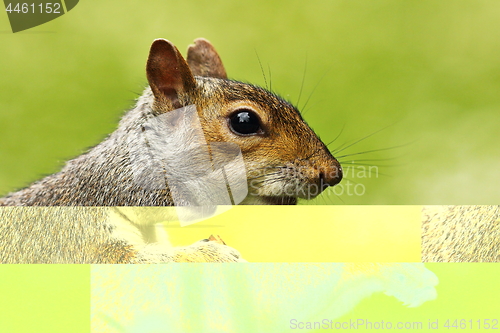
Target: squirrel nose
x=330, y=176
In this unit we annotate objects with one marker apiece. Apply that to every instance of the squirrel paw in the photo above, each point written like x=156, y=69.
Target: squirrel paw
x=207, y=251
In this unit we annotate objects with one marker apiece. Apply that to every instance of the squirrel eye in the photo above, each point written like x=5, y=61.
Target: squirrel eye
x=245, y=122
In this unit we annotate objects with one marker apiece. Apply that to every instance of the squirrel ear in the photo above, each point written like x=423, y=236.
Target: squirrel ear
x=204, y=60
x=168, y=73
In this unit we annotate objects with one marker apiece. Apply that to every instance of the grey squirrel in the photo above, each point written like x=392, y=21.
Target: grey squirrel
x=283, y=160
x=283, y=156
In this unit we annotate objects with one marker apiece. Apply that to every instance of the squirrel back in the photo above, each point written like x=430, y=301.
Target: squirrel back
x=97, y=235
x=461, y=233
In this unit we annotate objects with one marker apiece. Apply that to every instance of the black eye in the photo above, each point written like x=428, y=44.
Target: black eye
x=245, y=122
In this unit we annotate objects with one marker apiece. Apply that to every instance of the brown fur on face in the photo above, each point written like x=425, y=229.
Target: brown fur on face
x=287, y=151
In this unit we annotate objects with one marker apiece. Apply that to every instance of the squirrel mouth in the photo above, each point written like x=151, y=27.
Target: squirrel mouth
x=280, y=200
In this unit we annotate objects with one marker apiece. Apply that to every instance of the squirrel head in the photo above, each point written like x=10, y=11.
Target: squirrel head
x=284, y=158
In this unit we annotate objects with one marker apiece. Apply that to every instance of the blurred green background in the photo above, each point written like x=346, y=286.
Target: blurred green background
x=268, y=296
x=425, y=74
x=45, y=298
x=465, y=293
